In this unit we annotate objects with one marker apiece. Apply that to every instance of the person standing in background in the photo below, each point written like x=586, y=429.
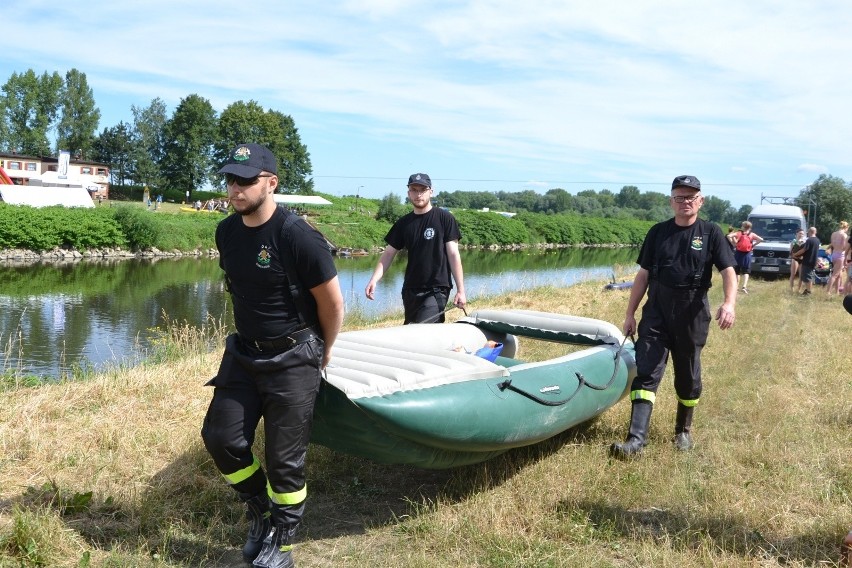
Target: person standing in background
x=743, y=242
x=795, y=246
x=431, y=235
x=809, y=255
x=838, y=244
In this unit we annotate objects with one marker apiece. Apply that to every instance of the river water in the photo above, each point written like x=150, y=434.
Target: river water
x=55, y=318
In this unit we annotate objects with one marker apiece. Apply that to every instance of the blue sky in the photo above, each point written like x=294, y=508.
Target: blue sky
x=751, y=97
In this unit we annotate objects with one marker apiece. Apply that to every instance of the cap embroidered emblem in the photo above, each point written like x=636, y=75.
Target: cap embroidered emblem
x=242, y=154
x=687, y=180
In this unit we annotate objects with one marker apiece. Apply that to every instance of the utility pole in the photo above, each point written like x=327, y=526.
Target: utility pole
x=357, y=194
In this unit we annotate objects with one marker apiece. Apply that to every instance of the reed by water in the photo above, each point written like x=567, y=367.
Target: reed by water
x=110, y=470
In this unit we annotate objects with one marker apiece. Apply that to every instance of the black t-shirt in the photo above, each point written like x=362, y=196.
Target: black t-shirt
x=425, y=236
x=676, y=256
x=811, y=253
x=251, y=259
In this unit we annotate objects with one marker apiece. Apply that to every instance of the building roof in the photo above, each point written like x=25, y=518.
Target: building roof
x=40, y=196
x=299, y=199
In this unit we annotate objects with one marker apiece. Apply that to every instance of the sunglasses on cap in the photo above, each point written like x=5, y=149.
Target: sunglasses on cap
x=232, y=179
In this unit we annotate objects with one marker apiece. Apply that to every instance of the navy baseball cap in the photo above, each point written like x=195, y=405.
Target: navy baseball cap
x=690, y=182
x=420, y=179
x=248, y=160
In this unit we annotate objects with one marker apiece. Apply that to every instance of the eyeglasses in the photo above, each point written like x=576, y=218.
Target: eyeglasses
x=232, y=179
x=681, y=198
x=415, y=189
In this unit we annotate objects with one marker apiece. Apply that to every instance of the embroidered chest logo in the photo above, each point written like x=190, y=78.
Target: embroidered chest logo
x=263, y=257
x=697, y=243
x=429, y=234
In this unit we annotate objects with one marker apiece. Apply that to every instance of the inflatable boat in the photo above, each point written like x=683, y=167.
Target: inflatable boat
x=445, y=395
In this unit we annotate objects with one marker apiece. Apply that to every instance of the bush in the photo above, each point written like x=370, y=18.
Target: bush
x=137, y=225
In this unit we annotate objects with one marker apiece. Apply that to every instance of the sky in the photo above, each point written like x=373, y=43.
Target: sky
x=753, y=98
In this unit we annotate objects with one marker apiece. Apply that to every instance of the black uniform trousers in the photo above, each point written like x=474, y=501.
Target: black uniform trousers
x=425, y=306
x=674, y=321
x=282, y=388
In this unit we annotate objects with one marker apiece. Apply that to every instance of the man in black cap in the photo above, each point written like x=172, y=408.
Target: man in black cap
x=431, y=236
x=288, y=310
x=675, y=267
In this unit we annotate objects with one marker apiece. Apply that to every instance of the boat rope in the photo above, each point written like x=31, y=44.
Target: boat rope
x=439, y=314
x=581, y=382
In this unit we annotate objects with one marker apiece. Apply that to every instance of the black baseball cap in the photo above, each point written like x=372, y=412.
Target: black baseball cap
x=690, y=182
x=248, y=160
x=420, y=179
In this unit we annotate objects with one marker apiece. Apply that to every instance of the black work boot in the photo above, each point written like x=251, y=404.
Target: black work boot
x=683, y=424
x=640, y=418
x=260, y=525
x=277, y=551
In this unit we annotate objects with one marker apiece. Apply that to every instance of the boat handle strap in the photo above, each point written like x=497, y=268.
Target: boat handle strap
x=581, y=381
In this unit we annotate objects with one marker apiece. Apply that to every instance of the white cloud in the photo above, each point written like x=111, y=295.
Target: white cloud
x=555, y=90
x=812, y=169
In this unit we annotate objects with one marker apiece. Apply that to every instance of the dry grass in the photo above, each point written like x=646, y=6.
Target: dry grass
x=111, y=471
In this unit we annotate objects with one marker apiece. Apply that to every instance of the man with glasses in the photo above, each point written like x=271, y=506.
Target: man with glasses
x=431, y=235
x=288, y=310
x=675, y=268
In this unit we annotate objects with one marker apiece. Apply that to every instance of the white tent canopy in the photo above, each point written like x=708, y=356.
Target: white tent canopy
x=282, y=199
x=41, y=196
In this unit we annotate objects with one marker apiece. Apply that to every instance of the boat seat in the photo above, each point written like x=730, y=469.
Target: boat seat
x=382, y=361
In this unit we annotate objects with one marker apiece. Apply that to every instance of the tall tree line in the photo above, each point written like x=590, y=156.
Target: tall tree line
x=178, y=152
x=628, y=203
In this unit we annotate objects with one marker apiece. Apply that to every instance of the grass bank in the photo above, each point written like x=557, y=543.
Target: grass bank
x=110, y=471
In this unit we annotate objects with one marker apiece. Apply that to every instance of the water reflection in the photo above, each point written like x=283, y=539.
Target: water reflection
x=55, y=317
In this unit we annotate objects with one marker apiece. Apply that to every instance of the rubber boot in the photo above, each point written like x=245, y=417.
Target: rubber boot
x=277, y=548
x=260, y=525
x=683, y=425
x=640, y=418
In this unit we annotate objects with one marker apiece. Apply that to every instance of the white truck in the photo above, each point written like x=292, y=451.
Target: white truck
x=777, y=224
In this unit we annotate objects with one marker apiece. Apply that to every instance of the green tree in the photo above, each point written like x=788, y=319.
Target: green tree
x=31, y=104
x=188, y=145
x=716, y=209
x=243, y=122
x=740, y=216
x=115, y=147
x=390, y=208
x=833, y=199
x=79, y=121
x=148, y=133
x=628, y=196
x=557, y=200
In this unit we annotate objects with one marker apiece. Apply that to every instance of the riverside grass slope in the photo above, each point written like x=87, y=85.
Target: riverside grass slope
x=110, y=470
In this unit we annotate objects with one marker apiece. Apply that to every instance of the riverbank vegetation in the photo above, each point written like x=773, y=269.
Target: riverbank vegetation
x=353, y=222
x=169, y=227
x=109, y=470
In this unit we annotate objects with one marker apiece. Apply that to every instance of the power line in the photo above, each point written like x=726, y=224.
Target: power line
x=393, y=178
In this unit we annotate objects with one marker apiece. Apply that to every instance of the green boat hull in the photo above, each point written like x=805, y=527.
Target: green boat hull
x=505, y=404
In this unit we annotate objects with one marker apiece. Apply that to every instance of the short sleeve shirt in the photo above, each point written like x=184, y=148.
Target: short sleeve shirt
x=425, y=237
x=683, y=257
x=251, y=258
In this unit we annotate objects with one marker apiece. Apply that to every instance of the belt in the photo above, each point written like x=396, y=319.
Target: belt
x=282, y=343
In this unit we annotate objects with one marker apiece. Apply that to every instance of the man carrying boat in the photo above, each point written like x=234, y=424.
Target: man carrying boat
x=675, y=268
x=431, y=236
x=288, y=310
